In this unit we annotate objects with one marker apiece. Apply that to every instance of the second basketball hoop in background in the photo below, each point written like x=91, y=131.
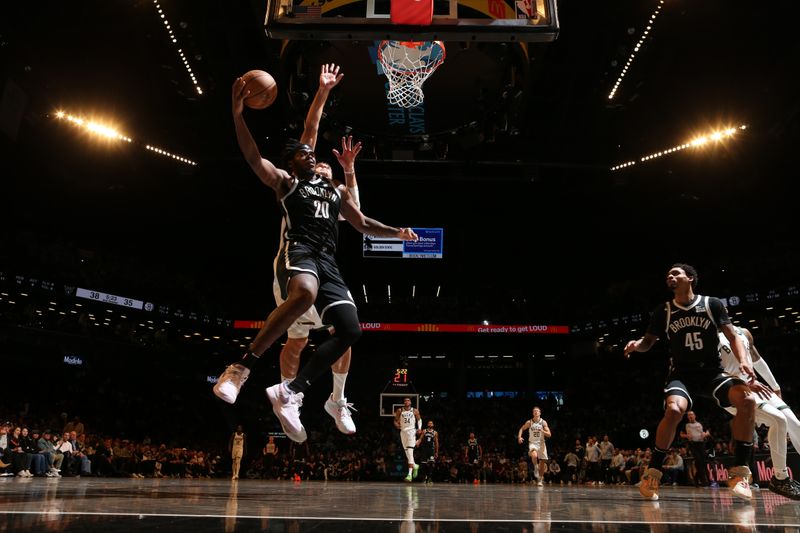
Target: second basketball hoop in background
x=262, y=88
x=408, y=64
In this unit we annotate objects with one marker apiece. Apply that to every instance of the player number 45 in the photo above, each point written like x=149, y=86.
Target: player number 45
x=693, y=341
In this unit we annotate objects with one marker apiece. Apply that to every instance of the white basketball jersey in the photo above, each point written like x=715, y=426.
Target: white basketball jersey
x=407, y=420
x=536, y=431
x=729, y=362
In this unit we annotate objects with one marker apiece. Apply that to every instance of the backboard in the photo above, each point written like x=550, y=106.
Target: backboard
x=389, y=402
x=453, y=20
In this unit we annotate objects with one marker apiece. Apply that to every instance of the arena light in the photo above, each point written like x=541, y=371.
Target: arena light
x=715, y=136
x=174, y=39
x=93, y=127
x=648, y=29
x=109, y=132
x=165, y=153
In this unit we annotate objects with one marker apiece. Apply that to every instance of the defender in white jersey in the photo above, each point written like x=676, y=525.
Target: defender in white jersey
x=538, y=430
x=408, y=420
x=771, y=411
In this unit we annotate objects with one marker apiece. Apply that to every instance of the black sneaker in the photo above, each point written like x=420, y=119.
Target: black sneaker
x=784, y=487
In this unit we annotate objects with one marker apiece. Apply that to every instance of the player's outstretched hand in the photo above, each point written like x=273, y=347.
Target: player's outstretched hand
x=347, y=156
x=630, y=347
x=407, y=234
x=330, y=77
x=238, y=94
x=760, y=389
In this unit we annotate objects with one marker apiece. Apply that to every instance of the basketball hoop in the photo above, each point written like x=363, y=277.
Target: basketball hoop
x=408, y=64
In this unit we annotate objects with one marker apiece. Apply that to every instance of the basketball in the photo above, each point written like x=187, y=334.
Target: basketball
x=262, y=87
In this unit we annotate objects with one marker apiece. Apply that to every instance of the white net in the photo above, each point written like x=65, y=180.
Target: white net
x=407, y=65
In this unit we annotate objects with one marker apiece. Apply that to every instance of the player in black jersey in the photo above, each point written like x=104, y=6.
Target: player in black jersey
x=691, y=323
x=473, y=453
x=428, y=445
x=308, y=272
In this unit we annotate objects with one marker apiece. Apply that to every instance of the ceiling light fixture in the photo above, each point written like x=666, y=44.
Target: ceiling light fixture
x=701, y=140
x=648, y=29
x=174, y=40
x=111, y=133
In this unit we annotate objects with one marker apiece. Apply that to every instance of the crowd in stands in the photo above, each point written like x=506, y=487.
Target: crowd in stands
x=66, y=448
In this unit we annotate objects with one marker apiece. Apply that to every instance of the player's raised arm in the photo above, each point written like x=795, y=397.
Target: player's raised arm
x=329, y=77
x=267, y=172
x=347, y=159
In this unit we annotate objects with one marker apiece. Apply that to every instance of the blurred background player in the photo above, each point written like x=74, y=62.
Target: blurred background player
x=473, y=453
x=408, y=420
x=538, y=430
x=428, y=445
x=237, y=446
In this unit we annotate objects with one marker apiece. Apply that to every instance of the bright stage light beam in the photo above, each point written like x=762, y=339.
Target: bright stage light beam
x=698, y=142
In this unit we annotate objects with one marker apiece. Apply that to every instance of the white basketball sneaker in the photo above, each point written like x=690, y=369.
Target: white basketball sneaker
x=231, y=381
x=340, y=412
x=286, y=406
x=739, y=482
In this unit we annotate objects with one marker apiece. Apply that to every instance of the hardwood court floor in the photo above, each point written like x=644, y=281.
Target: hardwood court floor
x=186, y=505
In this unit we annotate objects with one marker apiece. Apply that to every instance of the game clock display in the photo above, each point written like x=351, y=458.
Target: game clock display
x=401, y=377
x=109, y=298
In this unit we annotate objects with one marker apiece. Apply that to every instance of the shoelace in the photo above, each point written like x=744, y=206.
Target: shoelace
x=235, y=372
x=296, y=397
x=346, y=408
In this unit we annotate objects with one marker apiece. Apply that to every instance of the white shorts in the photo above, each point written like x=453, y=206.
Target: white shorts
x=408, y=437
x=541, y=450
x=304, y=323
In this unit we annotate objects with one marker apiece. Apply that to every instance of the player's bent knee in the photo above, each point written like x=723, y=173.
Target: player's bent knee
x=744, y=401
x=673, y=410
x=344, y=320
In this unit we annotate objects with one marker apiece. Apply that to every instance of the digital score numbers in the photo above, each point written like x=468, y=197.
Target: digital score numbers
x=109, y=298
x=401, y=378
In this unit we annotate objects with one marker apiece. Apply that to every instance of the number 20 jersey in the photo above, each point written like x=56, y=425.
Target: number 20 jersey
x=311, y=213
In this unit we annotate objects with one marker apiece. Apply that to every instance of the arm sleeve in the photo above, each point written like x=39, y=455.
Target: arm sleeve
x=354, y=193
x=763, y=370
x=419, y=423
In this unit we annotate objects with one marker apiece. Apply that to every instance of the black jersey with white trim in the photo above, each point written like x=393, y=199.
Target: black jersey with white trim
x=428, y=437
x=691, y=332
x=311, y=212
x=472, y=449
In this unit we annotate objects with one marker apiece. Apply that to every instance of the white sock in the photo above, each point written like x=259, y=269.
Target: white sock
x=410, y=470
x=780, y=474
x=284, y=378
x=338, y=386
